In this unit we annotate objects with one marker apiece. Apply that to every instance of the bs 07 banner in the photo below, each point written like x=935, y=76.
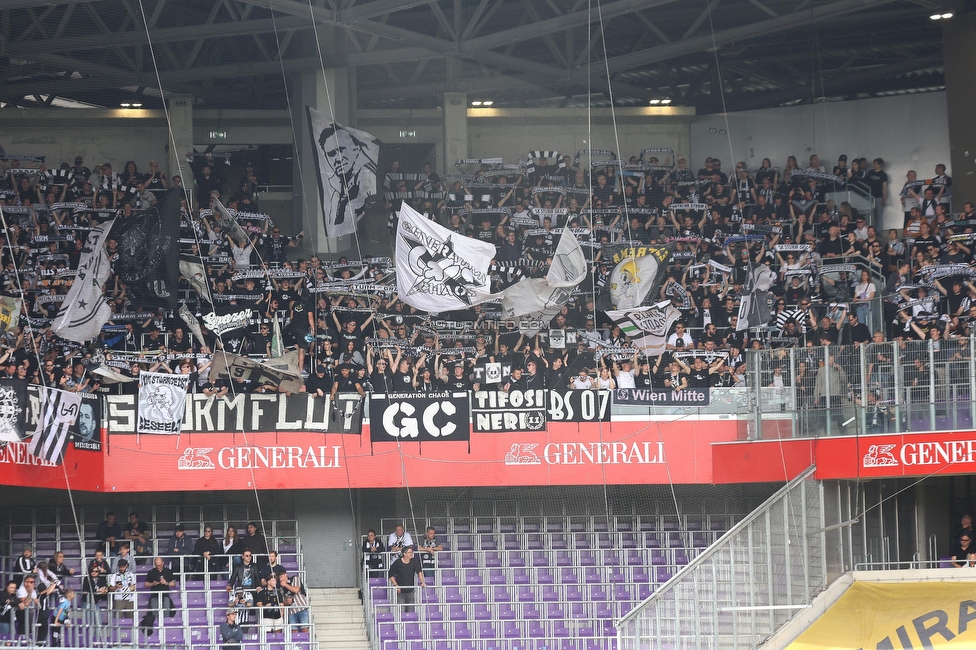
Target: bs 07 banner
x=432, y=418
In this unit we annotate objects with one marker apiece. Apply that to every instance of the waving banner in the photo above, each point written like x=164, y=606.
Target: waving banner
x=542, y=298
x=439, y=270
x=647, y=327
x=13, y=410
x=59, y=410
x=346, y=159
x=638, y=272
x=148, y=259
x=84, y=311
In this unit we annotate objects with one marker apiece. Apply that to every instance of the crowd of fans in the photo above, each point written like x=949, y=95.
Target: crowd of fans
x=836, y=279
x=39, y=600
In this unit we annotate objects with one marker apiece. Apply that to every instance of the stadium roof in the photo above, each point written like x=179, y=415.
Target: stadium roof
x=515, y=53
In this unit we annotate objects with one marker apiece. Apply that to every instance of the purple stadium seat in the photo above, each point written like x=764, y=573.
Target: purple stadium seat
x=469, y=559
x=612, y=558
x=536, y=630
x=506, y=612
x=462, y=526
x=635, y=558
x=433, y=613
x=512, y=630
x=693, y=524
x=598, y=592
x=587, y=558
x=496, y=577
x=699, y=541
x=680, y=557
x=644, y=591
x=489, y=542
x=409, y=617
x=473, y=577
x=516, y=559
x=641, y=575
x=412, y=631
x=388, y=633
x=450, y=578
x=531, y=611
x=623, y=592
x=549, y=594
x=534, y=542
x=652, y=540
x=383, y=615
x=554, y=611
x=592, y=575
x=501, y=594
x=564, y=558
x=465, y=542
x=446, y=560
x=508, y=527
x=568, y=576
x=453, y=595
x=485, y=527
x=458, y=613
x=486, y=630
x=526, y=594
x=540, y=558
x=512, y=542
x=493, y=559
x=574, y=593
x=438, y=631
x=603, y=610
x=545, y=577
x=559, y=541
x=676, y=540
x=530, y=527
x=582, y=540
x=628, y=540
x=521, y=576
x=440, y=529
x=577, y=611
x=658, y=558
x=662, y=574
x=482, y=612
x=478, y=595
x=462, y=631
x=671, y=523
x=377, y=581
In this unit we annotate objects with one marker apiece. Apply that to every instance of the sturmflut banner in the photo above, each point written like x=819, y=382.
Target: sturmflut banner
x=162, y=402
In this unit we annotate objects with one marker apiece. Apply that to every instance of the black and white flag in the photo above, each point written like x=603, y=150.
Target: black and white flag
x=84, y=311
x=437, y=269
x=13, y=410
x=149, y=256
x=346, y=160
x=162, y=402
x=59, y=410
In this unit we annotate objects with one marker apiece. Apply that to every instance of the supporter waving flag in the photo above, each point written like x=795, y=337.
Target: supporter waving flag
x=59, y=410
x=13, y=410
x=437, y=269
x=9, y=314
x=85, y=310
x=647, y=327
x=148, y=255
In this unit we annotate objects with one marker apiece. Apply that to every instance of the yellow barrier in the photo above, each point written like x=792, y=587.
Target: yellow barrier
x=900, y=616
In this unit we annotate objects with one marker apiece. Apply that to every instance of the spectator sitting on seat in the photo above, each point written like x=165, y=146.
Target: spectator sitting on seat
x=58, y=567
x=962, y=553
x=98, y=562
x=231, y=633
x=270, y=568
x=138, y=535
x=109, y=531
x=26, y=565
x=373, y=550
x=399, y=540
x=179, y=544
x=123, y=555
x=965, y=526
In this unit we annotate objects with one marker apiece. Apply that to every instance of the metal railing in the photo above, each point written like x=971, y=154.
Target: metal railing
x=889, y=387
x=754, y=579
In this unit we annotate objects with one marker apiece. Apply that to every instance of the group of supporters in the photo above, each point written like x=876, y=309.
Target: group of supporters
x=39, y=599
x=828, y=268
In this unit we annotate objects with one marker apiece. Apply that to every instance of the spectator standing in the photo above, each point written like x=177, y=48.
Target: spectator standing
x=402, y=574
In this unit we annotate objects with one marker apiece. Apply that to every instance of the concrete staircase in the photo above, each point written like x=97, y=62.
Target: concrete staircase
x=338, y=618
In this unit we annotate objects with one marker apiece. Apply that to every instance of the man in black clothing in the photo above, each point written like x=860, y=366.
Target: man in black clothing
x=138, y=535
x=109, y=531
x=159, y=580
x=269, y=600
x=346, y=382
x=963, y=554
x=402, y=573
x=245, y=575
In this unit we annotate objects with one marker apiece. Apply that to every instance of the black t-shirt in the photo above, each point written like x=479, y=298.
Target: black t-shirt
x=156, y=575
x=699, y=379
x=401, y=382
x=269, y=602
x=405, y=573
x=876, y=180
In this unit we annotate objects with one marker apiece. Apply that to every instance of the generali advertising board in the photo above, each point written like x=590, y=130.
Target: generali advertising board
x=566, y=454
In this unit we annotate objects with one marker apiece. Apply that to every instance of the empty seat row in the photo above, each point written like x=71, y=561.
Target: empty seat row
x=564, y=524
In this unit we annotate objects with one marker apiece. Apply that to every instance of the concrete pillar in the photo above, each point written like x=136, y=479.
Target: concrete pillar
x=332, y=94
x=181, y=118
x=455, y=129
x=959, y=48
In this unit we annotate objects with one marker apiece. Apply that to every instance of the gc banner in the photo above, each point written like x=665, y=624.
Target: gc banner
x=661, y=397
x=513, y=411
x=579, y=406
x=432, y=418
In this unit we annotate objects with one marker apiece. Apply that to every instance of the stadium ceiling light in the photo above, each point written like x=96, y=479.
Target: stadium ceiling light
x=654, y=102
x=665, y=101
x=947, y=15
x=487, y=102
x=137, y=106
x=476, y=103
x=944, y=16
x=125, y=104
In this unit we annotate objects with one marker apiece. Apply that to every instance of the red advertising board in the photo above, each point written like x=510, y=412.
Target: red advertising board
x=847, y=457
x=567, y=454
x=84, y=469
